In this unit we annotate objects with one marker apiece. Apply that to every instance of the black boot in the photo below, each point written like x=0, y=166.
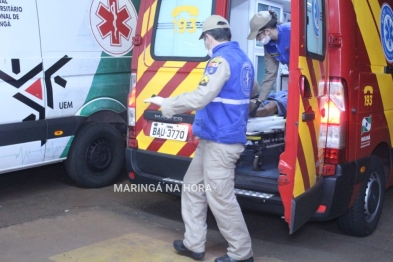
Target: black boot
x=181, y=248
x=227, y=258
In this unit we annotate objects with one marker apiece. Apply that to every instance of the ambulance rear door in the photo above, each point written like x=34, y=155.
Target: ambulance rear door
x=170, y=61
x=300, y=184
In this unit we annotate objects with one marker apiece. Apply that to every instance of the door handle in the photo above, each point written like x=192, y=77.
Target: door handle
x=308, y=116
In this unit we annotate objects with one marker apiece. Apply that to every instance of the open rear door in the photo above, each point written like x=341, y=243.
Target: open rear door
x=300, y=184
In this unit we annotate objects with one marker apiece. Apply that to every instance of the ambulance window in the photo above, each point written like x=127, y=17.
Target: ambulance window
x=316, y=29
x=178, y=25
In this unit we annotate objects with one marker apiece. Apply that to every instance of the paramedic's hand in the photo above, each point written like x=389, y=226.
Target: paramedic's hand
x=155, y=100
x=253, y=112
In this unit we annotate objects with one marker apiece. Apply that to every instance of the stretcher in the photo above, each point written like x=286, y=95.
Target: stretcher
x=262, y=134
x=257, y=125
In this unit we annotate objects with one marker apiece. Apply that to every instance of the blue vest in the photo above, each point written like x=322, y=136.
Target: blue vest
x=280, y=50
x=224, y=119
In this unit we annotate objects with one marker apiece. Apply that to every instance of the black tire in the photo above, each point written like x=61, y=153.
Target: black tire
x=96, y=155
x=362, y=219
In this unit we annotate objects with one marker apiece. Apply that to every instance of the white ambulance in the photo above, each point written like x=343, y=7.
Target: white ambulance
x=64, y=78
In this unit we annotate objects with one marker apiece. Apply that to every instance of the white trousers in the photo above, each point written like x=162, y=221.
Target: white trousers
x=213, y=166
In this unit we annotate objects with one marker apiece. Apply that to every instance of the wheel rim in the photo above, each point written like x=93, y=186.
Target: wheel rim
x=99, y=155
x=373, y=197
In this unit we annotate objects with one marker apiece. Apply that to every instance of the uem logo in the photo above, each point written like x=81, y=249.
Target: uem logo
x=35, y=88
x=113, y=23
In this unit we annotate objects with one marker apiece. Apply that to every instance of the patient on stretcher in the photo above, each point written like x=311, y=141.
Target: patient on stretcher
x=270, y=115
x=275, y=103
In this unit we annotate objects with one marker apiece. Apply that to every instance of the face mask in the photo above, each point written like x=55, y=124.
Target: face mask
x=265, y=40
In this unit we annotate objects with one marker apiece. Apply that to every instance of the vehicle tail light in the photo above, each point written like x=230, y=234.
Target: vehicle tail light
x=132, y=101
x=132, y=142
x=333, y=126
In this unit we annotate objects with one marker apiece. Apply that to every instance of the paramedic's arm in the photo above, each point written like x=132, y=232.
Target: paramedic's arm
x=271, y=69
x=208, y=89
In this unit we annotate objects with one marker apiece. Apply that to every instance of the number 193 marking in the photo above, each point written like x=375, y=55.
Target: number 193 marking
x=182, y=25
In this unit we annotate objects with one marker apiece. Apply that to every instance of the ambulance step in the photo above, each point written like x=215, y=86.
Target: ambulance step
x=268, y=184
x=253, y=193
x=238, y=191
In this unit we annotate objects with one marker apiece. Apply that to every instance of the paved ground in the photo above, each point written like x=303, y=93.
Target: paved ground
x=45, y=217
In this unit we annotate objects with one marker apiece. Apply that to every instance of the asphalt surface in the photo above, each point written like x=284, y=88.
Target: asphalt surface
x=45, y=217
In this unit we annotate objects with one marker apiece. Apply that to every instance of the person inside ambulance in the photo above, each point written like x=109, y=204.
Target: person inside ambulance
x=275, y=37
x=274, y=104
x=221, y=103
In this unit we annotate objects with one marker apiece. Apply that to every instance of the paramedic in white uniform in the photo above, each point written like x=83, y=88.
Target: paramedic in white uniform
x=221, y=102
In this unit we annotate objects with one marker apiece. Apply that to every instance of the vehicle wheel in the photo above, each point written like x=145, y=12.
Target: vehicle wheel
x=362, y=219
x=96, y=156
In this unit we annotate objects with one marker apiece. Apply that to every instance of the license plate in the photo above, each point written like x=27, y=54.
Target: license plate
x=169, y=131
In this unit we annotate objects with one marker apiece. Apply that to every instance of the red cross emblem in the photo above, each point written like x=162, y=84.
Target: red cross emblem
x=114, y=22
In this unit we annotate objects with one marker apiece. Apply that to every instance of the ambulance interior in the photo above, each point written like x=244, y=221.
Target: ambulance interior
x=257, y=169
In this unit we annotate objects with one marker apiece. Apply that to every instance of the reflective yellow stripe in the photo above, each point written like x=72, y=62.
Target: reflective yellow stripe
x=155, y=85
x=304, y=67
x=313, y=101
x=376, y=9
x=230, y=101
x=190, y=82
x=144, y=22
x=299, y=183
x=305, y=138
x=171, y=147
x=141, y=65
x=385, y=84
x=304, y=131
x=370, y=34
x=317, y=70
x=152, y=14
x=143, y=141
x=298, y=187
